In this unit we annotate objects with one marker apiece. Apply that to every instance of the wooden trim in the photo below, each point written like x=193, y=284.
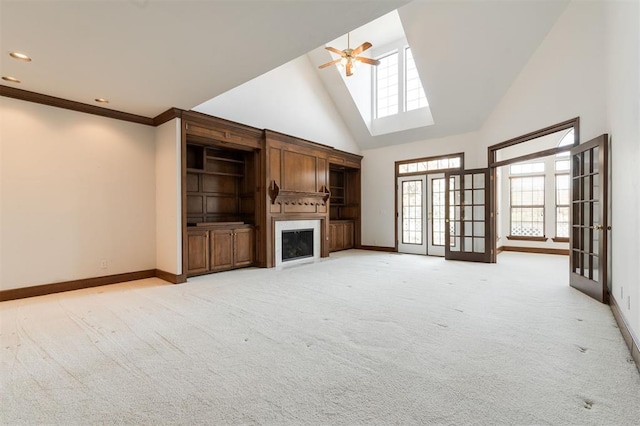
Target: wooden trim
x=212, y=121
x=574, y=122
x=499, y=250
x=523, y=238
x=633, y=343
x=183, y=196
x=24, y=95
x=379, y=248
x=427, y=172
x=169, y=277
x=560, y=239
x=293, y=140
x=539, y=250
x=168, y=115
x=41, y=290
x=539, y=154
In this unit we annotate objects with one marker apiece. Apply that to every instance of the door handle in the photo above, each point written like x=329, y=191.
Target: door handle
x=598, y=227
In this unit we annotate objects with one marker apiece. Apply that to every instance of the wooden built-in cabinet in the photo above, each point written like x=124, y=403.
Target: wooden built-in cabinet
x=238, y=181
x=220, y=185
x=344, y=212
x=219, y=247
x=341, y=235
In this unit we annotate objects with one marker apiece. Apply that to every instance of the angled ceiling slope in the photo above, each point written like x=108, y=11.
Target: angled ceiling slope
x=467, y=53
x=146, y=56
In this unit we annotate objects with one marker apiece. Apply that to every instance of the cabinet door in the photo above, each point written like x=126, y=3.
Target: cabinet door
x=243, y=247
x=197, y=252
x=340, y=236
x=221, y=249
x=348, y=235
x=333, y=237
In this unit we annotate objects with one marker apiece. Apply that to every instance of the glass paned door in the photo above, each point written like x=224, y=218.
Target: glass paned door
x=436, y=226
x=589, y=221
x=467, y=215
x=412, y=196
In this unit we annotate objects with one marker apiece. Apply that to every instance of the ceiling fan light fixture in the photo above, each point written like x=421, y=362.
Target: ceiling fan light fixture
x=349, y=58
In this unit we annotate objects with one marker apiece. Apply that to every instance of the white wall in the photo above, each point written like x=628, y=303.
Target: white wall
x=289, y=99
x=622, y=59
x=562, y=80
x=168, y=197
x=76, y=189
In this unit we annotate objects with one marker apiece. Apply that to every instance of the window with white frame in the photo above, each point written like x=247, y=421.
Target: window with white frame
x=430, y=164
x=562, y=186
x=562, y=205
x=387, y=85
x=414, y=93
x=397, y=84
x=527, y=200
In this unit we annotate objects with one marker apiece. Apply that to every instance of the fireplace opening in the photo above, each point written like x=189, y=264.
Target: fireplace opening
x=297, y=244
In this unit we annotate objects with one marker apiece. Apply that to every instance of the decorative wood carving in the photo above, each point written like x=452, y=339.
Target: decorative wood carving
x=281, y=197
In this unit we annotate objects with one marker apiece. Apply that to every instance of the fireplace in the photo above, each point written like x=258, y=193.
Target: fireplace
x=297, y=241
x=297, y=244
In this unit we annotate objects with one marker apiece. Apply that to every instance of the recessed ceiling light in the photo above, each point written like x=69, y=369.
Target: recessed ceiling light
x=20, y=56
x=102, y=101
x=11, y=79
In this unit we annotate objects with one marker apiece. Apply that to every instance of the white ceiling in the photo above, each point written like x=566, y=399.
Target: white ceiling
x=146, y=56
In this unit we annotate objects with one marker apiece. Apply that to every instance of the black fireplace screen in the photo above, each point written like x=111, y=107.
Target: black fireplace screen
x=297, y=244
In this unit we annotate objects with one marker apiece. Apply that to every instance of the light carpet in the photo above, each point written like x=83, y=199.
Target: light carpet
x=360, y=338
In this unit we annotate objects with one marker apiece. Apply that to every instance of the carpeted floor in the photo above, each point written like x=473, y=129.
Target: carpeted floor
x=361, y=338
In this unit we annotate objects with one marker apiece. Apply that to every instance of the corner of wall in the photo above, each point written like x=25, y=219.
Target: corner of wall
x=168, y=138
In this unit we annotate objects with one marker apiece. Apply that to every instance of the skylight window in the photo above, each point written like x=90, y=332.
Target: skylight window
x=397, y=83
x=387, y=85
x=414, y=93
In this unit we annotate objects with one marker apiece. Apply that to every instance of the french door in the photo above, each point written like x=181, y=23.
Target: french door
x=412, y=201
x=421, y=214
x=436, y=225
x=589, y=219
x=467, y=215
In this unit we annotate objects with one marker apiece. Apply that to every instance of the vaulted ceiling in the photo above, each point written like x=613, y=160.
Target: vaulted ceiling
x=146, y=56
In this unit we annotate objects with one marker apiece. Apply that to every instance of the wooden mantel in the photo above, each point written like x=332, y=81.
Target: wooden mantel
x=300, y=198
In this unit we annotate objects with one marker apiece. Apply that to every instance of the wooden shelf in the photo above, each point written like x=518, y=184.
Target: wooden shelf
x=215, y=173
x=230, y=160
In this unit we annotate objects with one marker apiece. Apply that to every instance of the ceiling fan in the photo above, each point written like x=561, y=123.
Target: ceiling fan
x=349, y=57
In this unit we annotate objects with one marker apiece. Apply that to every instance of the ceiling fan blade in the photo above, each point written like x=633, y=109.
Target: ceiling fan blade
x=364, y=46
x=330, y=63
x=348, y=68
x=334, y=50
x=368, y=60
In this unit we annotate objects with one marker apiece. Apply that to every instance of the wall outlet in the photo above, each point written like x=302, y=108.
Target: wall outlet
x=103, y=264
